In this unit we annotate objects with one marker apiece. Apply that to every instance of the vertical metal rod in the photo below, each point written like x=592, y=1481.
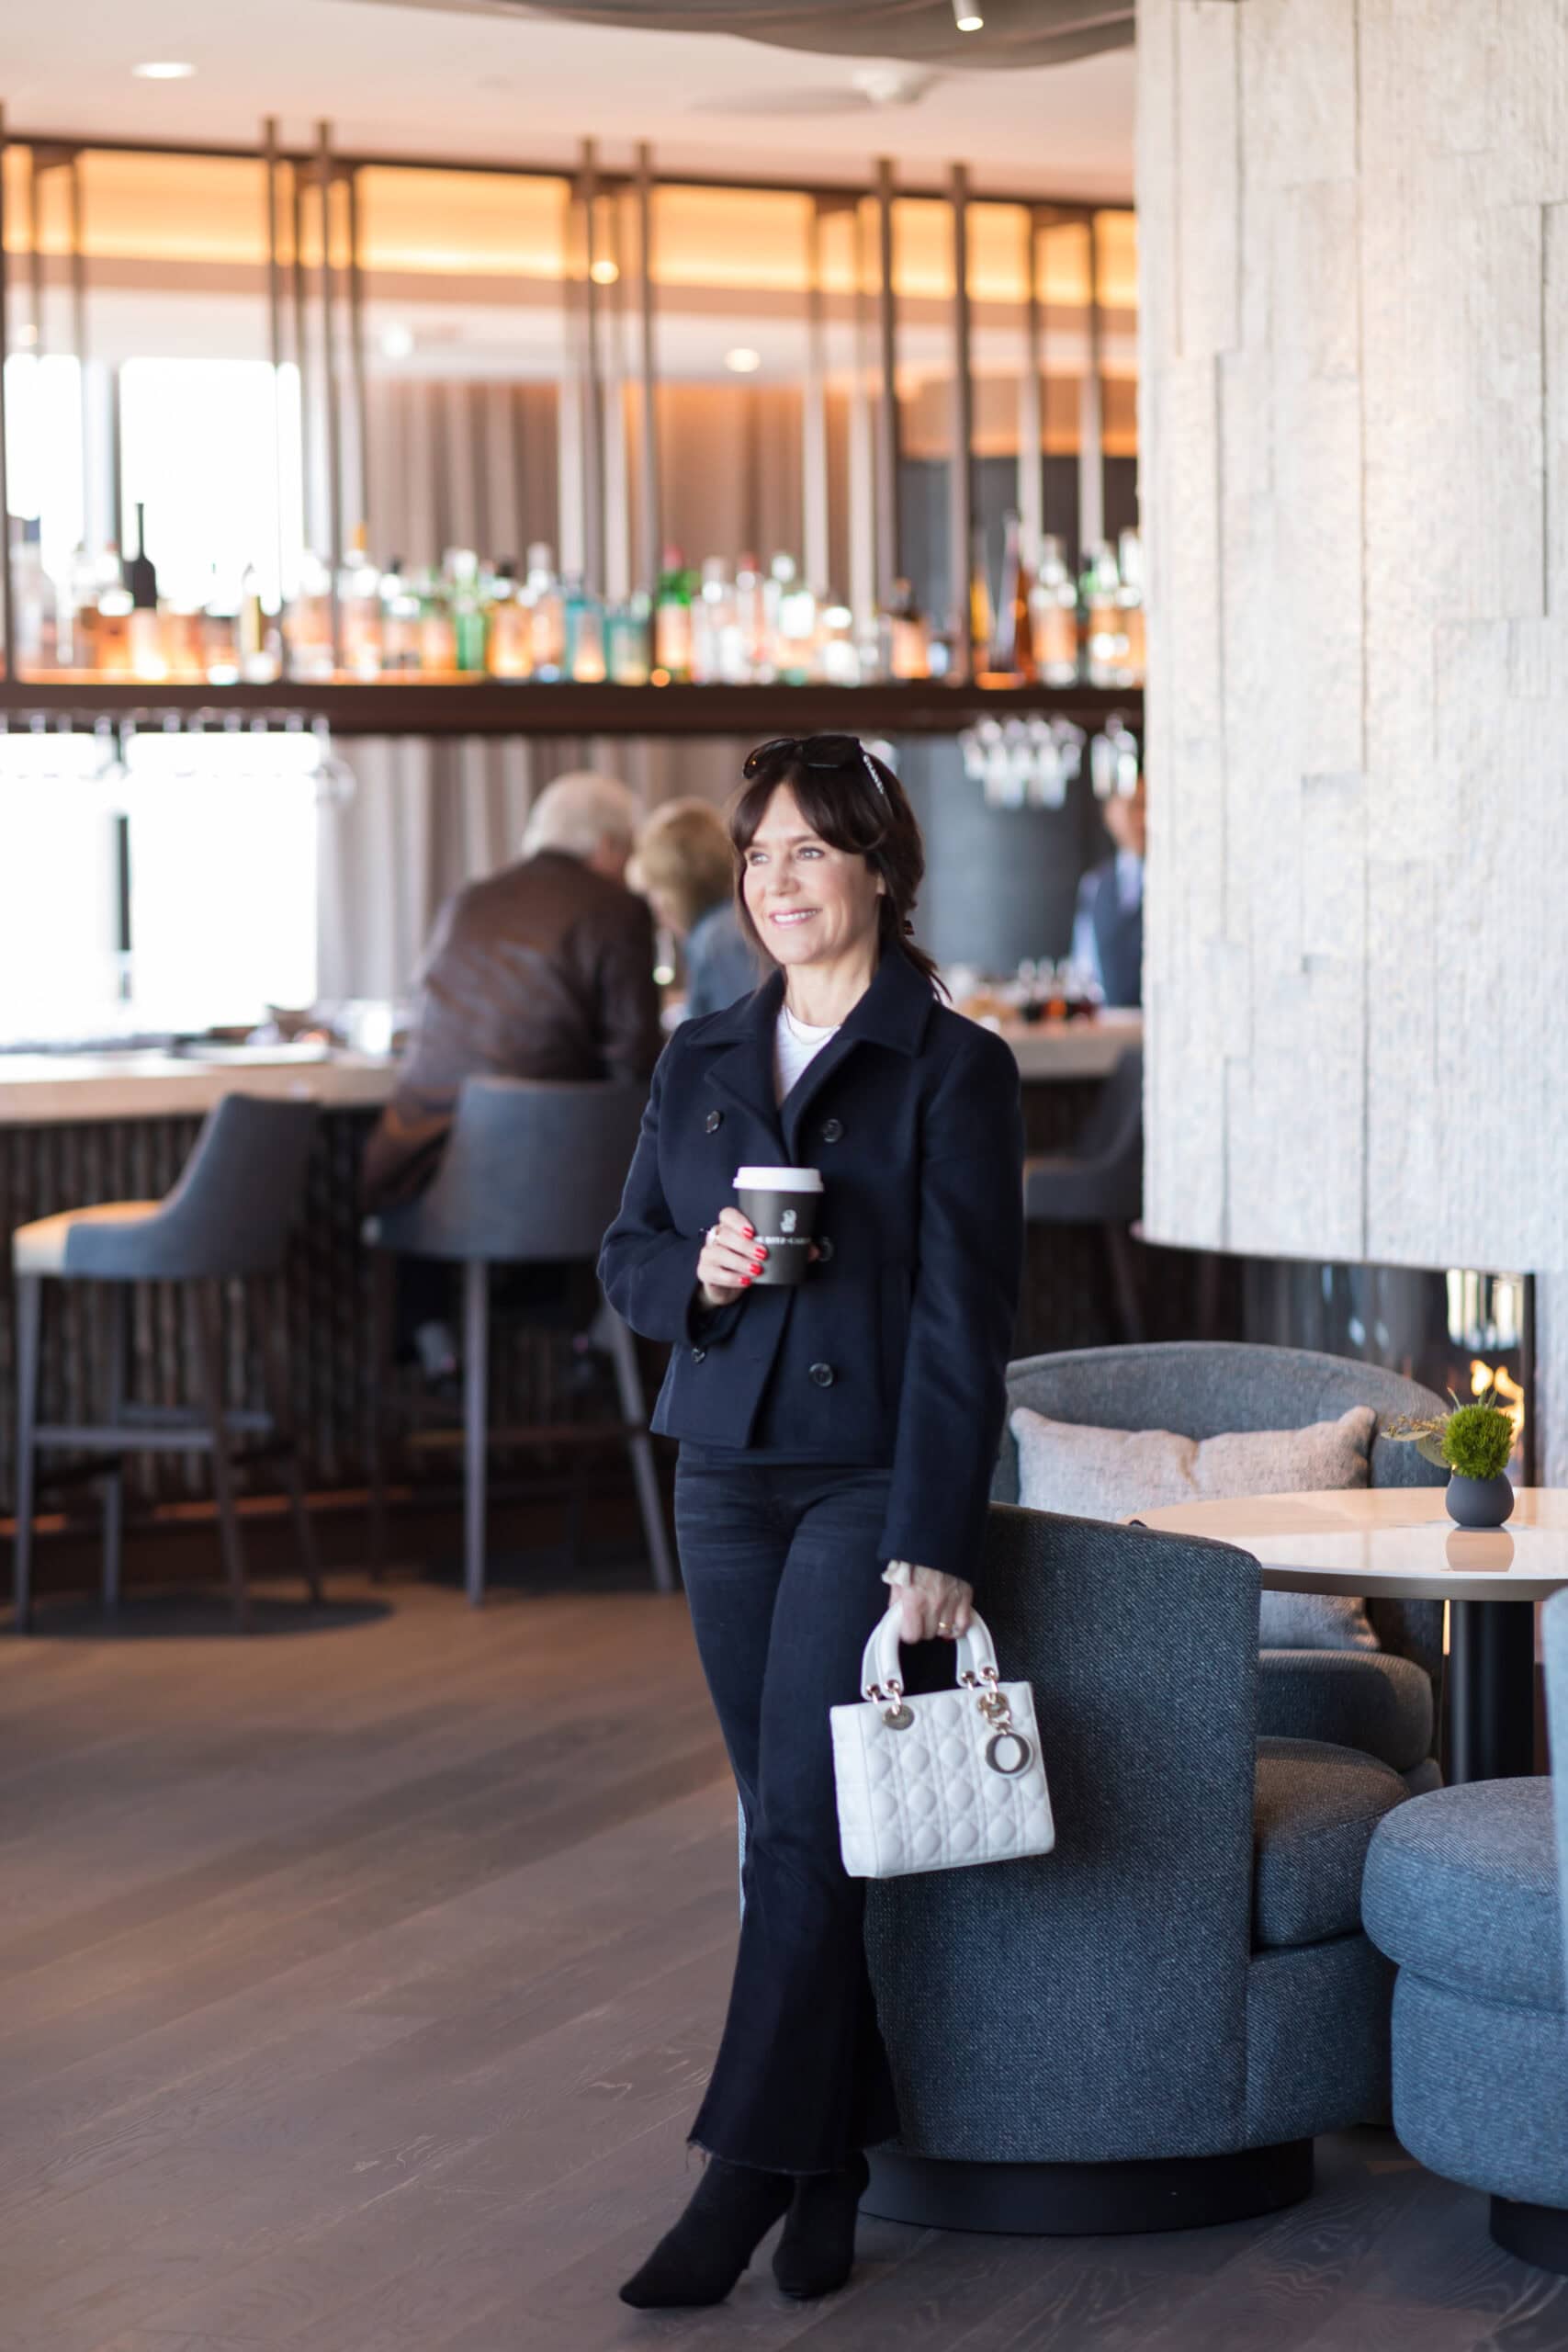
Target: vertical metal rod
x=960, y=488
x=328, y=386
x=648, y=502
x=78, y=265
x=8, y=617
x=889, y=556
x=357, y=345
x=815, y=540
x=1091, y=409
x=1031, y=399
x=591, y=384
x=275, y=345
x=302, y=353
x=861, y=453
x=34, y=247
x=570, y=492
x=616, y=581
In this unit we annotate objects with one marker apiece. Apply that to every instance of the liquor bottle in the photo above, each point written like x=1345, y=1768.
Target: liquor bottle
x=221, y=634
x=980, y=630
x=795, y=623
x=751, y=619
x=147, y=659
x=1101, y=619
x=359, y=609
x=36, y=624
x=1012, y=647
x=584, y=635
x=1129, y=608
x=717, y=652
x=673, y=620
x=468, y=609
x=509, y=644
x=546, y=618
x=307, y=621
x=181, y=627
x=908, y=652
x=75, y=647
x=837, y=661
x=111, y=629
x=1054, y=617
x=437, y=636
x=400, y=621
x=628, y=631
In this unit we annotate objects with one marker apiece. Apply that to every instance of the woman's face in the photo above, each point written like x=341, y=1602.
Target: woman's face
x=811, y=903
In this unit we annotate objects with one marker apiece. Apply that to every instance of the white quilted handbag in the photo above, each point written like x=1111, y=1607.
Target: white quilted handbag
x=937, y=1782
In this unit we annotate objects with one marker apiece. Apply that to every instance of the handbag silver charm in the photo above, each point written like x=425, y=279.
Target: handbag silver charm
x=944, y=1780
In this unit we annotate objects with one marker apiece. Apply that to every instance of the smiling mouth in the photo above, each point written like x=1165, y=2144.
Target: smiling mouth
x=795, y=915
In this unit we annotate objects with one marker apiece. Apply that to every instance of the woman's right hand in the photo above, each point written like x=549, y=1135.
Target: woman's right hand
x=731, y=1256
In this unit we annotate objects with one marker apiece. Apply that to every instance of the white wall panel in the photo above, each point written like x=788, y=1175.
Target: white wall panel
x=1354, y=237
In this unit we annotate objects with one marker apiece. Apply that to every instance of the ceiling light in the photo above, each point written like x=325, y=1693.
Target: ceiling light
x=605, y=273
x=168, y=70
x=743, y=362
x=396, y=340
x=967, y=18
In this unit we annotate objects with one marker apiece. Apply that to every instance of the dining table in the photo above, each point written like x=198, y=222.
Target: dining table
x=1400, y=1542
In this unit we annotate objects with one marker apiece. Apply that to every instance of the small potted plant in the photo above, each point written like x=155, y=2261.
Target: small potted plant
x=1472, y=1443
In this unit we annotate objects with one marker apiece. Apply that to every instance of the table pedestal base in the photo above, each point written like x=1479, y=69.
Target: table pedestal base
x=1490, y=1689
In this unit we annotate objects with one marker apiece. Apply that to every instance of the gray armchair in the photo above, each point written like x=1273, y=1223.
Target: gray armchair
x=1386, y=1701
x=1144, y=2029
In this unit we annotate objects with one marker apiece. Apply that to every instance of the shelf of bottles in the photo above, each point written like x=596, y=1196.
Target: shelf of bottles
x=488, y=643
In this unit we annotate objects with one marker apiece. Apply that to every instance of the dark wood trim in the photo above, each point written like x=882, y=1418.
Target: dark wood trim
x=1088, y=2201
x=524, y=706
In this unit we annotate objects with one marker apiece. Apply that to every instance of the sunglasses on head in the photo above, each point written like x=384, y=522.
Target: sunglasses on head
x=812, y=751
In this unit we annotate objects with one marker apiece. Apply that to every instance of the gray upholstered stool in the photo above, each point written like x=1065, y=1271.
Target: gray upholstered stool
x=226, y=1219
x=1100, y=1182
x=531, y=1175
x=1467, y=1889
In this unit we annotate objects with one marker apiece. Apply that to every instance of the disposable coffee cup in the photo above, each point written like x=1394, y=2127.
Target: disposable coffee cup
x=780, y=1205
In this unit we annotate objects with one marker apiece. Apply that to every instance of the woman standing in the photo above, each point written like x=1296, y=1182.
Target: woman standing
x=834, y=1438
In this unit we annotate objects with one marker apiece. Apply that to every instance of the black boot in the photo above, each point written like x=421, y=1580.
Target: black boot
x=817, y=2252
x=700, y=2260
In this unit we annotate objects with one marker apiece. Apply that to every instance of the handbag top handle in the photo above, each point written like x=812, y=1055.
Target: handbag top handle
x=977, y=1656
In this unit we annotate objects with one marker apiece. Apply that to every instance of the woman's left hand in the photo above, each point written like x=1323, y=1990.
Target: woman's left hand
x=934, y=1607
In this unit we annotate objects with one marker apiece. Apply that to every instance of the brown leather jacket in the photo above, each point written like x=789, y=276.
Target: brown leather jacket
x=544, y=970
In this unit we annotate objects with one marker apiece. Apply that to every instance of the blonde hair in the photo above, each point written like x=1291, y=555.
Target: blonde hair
x=683, y=854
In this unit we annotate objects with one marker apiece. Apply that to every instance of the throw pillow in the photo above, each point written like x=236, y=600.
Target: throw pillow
x=1111, y=1474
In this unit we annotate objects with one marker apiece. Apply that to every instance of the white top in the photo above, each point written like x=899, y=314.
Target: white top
x=1395, y=1540
x=795, y=1045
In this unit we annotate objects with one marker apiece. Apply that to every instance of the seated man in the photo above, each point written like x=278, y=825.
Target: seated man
x=544, y=970
x=1108, y=929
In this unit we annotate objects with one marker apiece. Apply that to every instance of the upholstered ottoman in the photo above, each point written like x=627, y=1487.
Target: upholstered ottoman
x=1461, y=1891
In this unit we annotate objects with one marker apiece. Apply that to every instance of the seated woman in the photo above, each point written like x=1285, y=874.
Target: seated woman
x=684, y=867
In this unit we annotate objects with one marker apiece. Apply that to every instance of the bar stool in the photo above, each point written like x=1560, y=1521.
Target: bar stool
x=532, y=1174
x=226, y=1219
x=1100, y=1182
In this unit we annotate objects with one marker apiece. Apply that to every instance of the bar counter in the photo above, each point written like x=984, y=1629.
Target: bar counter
x=80, y=1128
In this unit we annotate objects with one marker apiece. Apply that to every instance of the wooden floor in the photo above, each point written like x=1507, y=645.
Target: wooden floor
x=357, y=1985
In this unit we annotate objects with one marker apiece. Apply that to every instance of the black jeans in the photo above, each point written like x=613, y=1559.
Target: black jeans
x=783, y=1579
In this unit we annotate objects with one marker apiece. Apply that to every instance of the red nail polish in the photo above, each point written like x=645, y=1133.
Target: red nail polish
x=745, y=1282
x=750, y=1232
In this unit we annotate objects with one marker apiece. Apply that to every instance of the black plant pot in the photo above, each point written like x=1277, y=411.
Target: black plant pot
x=1480, y=1502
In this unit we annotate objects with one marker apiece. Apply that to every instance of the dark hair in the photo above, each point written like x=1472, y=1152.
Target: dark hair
x=858, y=805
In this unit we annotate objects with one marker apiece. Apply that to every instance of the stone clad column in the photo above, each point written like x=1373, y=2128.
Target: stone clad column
x=1354, y=435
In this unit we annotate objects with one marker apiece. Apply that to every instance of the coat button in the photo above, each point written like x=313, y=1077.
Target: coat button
x=697, y=1355
x=823, y=1250
x=714, y=1121
x=823, y=1374
x=833, y=1130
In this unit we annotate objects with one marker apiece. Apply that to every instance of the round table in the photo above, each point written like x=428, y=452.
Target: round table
x=1400, y=1541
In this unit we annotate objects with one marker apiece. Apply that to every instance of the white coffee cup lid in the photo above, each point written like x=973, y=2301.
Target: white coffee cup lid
x=778, y=1179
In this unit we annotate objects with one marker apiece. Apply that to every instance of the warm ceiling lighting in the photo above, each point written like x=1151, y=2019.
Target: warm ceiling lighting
x=743, y=362
x=168, y=70
x=605, y=273
x=967, y=18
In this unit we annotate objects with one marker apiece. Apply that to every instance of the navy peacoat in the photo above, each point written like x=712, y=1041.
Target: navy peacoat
x=894, y=1350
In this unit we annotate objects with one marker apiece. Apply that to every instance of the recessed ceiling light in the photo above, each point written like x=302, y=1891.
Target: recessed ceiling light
x=166, y=70
x=605, y=273
x=743, y=362
x=396, y=340
x=967, y=18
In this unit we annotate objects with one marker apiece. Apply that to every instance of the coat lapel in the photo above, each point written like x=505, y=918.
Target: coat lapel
x=892, y=1011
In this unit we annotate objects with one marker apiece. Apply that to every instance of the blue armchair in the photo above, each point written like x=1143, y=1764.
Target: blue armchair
x=1467, y=1889
x=1145, y=2029
x=1384, y=1702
